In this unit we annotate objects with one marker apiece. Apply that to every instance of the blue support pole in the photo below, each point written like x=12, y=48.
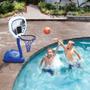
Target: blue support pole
x=19, y=47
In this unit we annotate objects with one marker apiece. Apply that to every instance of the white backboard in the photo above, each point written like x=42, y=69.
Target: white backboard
x=17, y=26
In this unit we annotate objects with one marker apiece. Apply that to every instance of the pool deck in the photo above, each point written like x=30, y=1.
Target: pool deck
x=64, y=30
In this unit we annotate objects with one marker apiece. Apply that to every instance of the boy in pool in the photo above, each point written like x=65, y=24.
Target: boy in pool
x=49, y=62
x=70, y=53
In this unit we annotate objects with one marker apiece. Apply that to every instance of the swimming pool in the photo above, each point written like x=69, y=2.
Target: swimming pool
x=31, y=78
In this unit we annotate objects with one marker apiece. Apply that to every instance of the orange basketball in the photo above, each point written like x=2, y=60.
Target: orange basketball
x=47, y=30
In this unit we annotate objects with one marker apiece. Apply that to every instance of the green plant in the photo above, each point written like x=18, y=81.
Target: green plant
x=19, y=6
x=70, y=7
x=47, y=12
x=61, y=12
x=6, y=15
x=59, y=9
x=86, y=8
x=42, y=5
x=35, y=2
x=20, y=0
x=6, y=6
x=50, y=6
x=43, y=10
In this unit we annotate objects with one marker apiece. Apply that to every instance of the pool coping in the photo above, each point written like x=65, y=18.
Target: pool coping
x=43, y=48
x=78, y=18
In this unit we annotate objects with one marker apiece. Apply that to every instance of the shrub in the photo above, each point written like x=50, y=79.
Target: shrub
x=62, y=12
x=50, y=6
x=53, y=12
x=19, y=6
x=86, y=8
x=43, y=10
x=70, y=7
x=59, y=9
x=6, y=15
x=42, y=5
x=6, y=6
x=20, y=0
x=57, y=12
x=35, y=2
x=81, y=11
x=73, y=13
x=47, y=12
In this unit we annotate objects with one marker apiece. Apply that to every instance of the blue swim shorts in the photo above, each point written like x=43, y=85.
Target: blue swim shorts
x=48, y=70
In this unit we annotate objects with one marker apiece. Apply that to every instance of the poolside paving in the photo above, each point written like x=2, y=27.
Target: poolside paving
x=64, y=30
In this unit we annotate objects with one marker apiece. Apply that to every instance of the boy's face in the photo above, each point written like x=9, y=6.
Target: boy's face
x=50, y=52
x=70, y=45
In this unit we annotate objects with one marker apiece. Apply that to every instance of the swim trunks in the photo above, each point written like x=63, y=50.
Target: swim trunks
x=74, y=65
x=48, y=70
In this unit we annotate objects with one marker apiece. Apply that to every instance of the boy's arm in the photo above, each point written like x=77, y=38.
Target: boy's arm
x=60, y=42
x=56, y=49
x=77, y=54
x=42, y=62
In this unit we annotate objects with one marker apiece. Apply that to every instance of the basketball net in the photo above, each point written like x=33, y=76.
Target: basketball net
x=28, y=45
x=28, y=40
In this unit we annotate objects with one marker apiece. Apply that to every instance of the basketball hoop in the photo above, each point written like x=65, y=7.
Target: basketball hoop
x=17, y=27
x=28, y=40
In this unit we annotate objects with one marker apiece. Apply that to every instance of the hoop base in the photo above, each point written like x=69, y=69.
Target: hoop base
x=13, y=56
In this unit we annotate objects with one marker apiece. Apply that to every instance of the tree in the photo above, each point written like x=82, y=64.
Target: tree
x=88, y=0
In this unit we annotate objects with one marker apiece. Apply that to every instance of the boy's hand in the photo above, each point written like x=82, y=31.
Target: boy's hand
x=58, y=40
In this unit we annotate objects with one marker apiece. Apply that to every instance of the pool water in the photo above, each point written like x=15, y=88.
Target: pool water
x=31, y=77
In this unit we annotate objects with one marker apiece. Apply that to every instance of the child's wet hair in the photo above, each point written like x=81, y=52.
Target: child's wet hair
x=50, y=49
